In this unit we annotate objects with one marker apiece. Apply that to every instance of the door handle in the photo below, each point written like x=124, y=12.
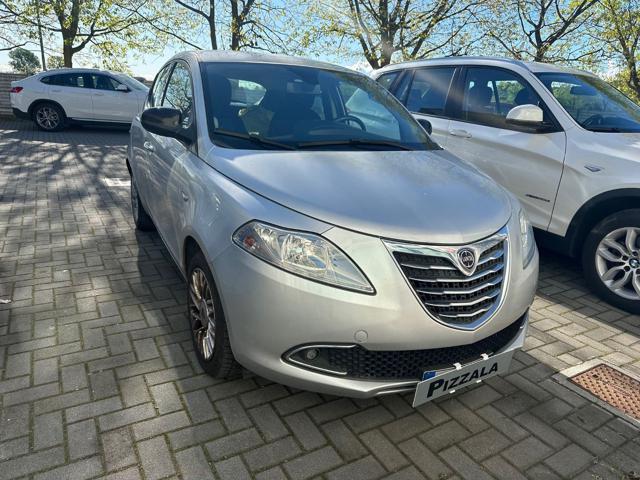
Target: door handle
x=460, y=133
x=99, y=94
x=148, y=146
x=185, y=197
x=56, y=90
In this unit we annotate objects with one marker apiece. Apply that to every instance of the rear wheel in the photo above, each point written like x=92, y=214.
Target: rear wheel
x=611, y=259
x=49, y=117
x=209, y=331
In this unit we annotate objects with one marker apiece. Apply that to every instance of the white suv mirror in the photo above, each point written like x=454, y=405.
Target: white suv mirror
x=526, y=115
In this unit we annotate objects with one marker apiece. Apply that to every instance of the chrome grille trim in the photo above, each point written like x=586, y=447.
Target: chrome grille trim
x=452, y=295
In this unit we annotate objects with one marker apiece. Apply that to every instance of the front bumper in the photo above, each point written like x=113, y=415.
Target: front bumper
x=269, y=312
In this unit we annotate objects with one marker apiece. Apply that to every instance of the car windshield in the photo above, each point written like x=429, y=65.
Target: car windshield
x=276, y=106
x=132, y=82
x=593, y=103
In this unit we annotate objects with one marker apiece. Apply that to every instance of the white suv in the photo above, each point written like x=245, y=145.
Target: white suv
x=56, y=98
x=564, y=141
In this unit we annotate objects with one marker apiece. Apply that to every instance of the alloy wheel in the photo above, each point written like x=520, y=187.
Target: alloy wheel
x=202, y=312
x=47, y=118
x=618, y=262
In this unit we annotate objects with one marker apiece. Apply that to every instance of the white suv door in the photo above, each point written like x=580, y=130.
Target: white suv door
x=72, y=92
x=526, y=161
x=110, y=104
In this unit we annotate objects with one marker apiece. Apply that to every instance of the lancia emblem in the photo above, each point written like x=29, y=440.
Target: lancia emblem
x=467, y=260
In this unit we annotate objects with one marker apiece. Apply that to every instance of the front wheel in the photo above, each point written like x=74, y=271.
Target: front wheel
x=209, y=331
x=140, y=216
x=611, y=260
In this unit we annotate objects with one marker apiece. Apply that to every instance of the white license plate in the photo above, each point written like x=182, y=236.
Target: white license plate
x=435, y=385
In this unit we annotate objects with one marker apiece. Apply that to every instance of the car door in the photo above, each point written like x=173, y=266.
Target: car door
x=425, y=93
x=142, y=146
x=71, y=90
x=109, y=103
x=167, y=157
x=526, y=161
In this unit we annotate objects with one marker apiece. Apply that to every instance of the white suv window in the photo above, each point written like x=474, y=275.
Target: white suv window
x=490, y=93
x=429, y=90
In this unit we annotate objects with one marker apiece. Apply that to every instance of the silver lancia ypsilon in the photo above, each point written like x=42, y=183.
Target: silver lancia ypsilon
x=328, y=243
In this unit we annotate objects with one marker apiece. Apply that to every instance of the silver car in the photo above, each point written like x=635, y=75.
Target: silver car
x=327, y=242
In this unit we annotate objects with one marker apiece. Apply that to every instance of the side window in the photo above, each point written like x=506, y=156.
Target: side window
x=429, y=90
x=179, y=94
x=104, y=82
x=77, y=80
x=156, y=92
x=387, y=79
x=490, y=93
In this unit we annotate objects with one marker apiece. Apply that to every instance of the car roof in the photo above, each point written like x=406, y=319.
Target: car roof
x=534, y=67
x=56, y=71
x=205, y=56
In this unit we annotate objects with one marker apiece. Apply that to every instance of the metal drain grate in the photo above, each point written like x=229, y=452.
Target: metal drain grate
x=612, y=386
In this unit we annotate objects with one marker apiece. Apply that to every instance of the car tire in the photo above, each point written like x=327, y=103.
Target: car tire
x=49, y=117
x=141, y=218
x=211, y=342
x=611, y=260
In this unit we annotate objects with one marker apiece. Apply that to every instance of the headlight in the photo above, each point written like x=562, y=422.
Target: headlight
x=304, y=254
x=526, y=236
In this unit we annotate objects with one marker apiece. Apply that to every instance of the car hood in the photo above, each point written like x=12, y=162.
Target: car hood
x=414, y=196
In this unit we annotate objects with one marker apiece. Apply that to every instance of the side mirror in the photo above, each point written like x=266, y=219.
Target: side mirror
x=526, y=116
x=167, y=122
x=122, y=88
x=426, y=124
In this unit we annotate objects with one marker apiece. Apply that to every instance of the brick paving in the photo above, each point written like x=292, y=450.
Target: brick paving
x=98, y=378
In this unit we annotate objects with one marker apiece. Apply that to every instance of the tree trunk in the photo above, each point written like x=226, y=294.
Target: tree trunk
x=235, y=26
x=67, y=53
x=44, y=62
x=634, y=78
x=212, y=25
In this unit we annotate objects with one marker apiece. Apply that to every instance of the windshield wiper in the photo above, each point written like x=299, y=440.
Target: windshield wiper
x=253, y=138
x=356, y=142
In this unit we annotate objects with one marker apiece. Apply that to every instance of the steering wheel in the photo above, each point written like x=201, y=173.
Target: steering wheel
x=593, y=121
x=351, y=118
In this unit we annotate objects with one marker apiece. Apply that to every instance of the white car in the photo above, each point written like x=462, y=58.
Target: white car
x=564, y=141
x=56, y=98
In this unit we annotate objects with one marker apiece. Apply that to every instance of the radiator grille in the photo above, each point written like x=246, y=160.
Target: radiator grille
x=449, y=294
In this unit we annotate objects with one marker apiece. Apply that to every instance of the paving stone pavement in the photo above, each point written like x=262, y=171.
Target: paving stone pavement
x=98, y=377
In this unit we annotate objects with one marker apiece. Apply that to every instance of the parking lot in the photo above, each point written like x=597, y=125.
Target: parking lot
x=98, y=377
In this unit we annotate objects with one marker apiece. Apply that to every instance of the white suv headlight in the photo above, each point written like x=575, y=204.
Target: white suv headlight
x=301, y=253
x=526, y=236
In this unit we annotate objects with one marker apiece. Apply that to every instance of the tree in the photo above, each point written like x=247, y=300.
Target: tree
x=9, y=36
x=24, y=61
x=236, y=24
x=55, y=61
x=618, y=26
x=541, y=30
x=409, y=28
x=112, y=27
